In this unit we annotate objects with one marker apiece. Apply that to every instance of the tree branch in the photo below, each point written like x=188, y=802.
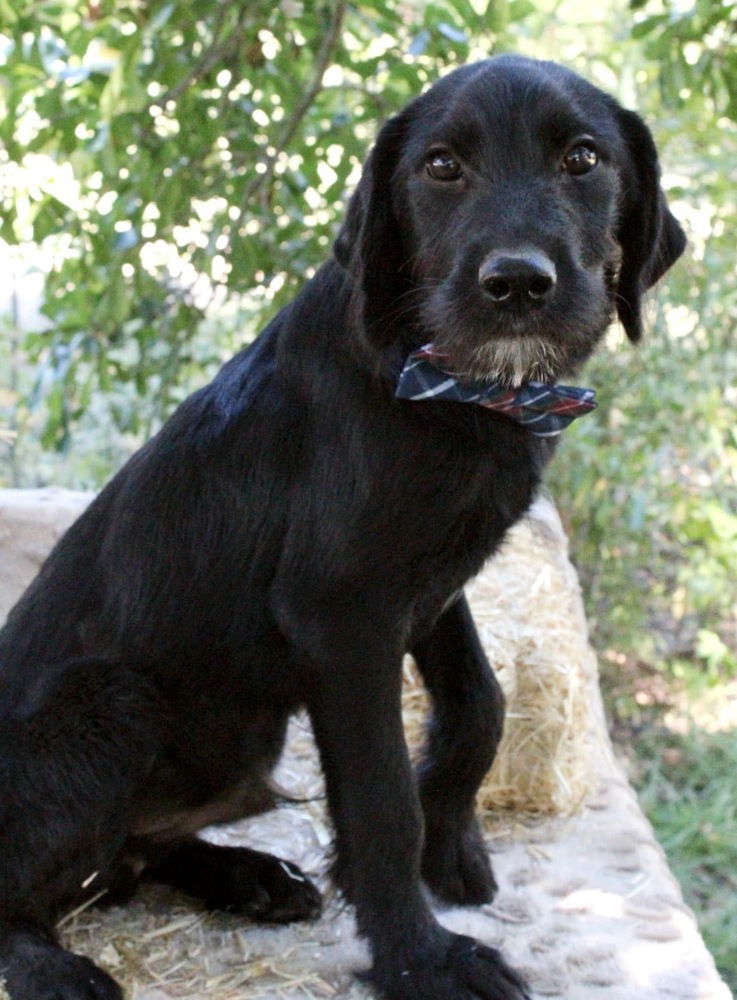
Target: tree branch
x=324, y=58
x=209, y=58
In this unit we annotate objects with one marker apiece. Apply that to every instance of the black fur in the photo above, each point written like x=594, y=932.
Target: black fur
x=294, y=529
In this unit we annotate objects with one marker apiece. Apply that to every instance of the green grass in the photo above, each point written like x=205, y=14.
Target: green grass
x=687, y=784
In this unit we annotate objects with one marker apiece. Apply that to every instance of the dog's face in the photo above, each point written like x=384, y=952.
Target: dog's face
x=505, y=215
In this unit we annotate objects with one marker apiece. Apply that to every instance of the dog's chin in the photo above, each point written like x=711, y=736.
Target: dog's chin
x=512, y=361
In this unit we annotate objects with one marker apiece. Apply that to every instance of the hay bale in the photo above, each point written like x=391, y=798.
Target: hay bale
x=527, y=604
x=528, y=609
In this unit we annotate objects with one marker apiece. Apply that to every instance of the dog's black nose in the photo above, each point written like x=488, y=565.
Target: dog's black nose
x=524, y=278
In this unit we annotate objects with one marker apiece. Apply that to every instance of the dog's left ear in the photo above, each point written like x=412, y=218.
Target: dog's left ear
x=651, y=238
x=369, y=243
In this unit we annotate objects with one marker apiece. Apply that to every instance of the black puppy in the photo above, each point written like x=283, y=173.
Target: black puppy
x=295, y=529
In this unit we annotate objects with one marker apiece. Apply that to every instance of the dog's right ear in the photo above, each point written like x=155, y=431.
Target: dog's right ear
x=369, y=243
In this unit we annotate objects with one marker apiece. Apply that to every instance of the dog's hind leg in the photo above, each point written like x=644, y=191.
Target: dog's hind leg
x=466, y=726
x=74, y=749
x=238, y=879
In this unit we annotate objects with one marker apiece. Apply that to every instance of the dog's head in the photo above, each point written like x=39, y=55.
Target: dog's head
x=505, y=214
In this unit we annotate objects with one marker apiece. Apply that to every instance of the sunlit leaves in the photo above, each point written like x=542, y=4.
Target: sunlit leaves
x=243, y=107
x=696, y=46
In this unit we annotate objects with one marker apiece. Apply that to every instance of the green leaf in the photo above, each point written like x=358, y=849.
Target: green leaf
x=8, y=14
x=645, y=27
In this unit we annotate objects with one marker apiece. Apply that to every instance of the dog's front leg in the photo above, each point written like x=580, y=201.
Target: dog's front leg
x=354, y=703
x=468, y=713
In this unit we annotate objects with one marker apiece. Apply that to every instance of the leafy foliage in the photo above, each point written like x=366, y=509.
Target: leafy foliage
x=694, y=47
x=178, y=157
x=686, y=786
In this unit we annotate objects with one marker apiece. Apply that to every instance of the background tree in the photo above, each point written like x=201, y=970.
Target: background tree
x=181, y=160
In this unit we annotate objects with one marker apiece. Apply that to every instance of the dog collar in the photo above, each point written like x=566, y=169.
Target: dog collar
x=545, y=410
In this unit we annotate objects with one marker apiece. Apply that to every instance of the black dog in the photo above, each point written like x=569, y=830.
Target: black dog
x=295, y=529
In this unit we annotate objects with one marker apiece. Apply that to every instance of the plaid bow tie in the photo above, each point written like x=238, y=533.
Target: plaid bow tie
x=544, y=409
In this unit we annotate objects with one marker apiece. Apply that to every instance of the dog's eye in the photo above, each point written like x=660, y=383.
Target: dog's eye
x=443, y=167
x=581, y=158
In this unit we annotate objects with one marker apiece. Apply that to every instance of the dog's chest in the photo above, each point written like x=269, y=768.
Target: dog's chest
x=471, y=510
x=475, y=496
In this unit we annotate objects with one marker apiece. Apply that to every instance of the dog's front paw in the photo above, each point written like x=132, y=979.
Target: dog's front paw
x=466, y=970
x=456, y=866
